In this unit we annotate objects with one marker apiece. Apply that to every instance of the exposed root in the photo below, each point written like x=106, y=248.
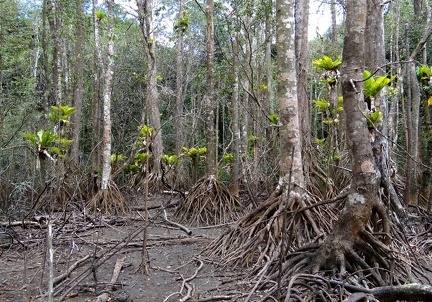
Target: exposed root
x=109, y=202
x=138, y=182
x=210, y=202
x=256, y=236
x=70, y=186
x=283, y=253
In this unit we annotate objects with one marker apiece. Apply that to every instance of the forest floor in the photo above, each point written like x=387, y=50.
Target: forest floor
x=97, y=246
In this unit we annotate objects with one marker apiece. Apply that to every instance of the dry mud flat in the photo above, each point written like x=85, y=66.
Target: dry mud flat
x=104, y=256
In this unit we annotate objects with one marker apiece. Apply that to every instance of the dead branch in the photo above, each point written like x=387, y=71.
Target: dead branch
x=408, y=292
x=104, y=297
x=23, y=223
x=181, y=227
x=70, y=269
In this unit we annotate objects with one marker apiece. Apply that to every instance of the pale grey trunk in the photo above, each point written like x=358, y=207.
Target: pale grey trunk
x=268, y=60
x=98, y=70
x=291, y=158
x=107, y=89
x=236, y=166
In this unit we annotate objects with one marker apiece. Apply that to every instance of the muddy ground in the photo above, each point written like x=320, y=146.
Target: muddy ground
x=178, y=272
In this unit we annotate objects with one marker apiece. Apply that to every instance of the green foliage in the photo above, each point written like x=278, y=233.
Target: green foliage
x=144, y=132
x=322, y=105
x=61, y=114
x=424, y=73
x=273, y=118
x=194, y=152
x=228, y=158
x=320, y=141
x=117, y=157
x=141, y=158
x=327, y=63
x=373, y=118
x=183, y=23
x=43, y=138
x=100, y=15
x=131, y=168
x=373, y=86
x=170, y=159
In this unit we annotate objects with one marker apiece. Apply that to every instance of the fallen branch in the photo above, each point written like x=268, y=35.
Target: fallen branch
x=24, y=223
x=186, y=285
x=105, y=296
x=181, y=227
x=70, y=269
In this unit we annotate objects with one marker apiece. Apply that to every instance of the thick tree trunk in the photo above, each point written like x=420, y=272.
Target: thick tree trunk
x=374, y=41
x=291, y=157
x=363, y=192
x=301, y=48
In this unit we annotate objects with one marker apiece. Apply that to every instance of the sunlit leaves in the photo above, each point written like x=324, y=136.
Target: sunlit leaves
x=273, y=118
x=373, y=86
x=373, y=118
x=327, y=63
x=61, y=114
x=169, y=159
x=43, y=138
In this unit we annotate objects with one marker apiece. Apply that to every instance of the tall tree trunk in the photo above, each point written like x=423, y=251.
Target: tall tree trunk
x=268, y=58
x=179, y=120
x=145, y=11
x=78, y=80
x=301, y=49
x=211, y=156
x=107, y=92
x=97, y=72
x=236, y=165
x=54, y=24
x=364, y=189
x=291, y=157
x=179, y=132
x=333, y=22
x=374, y=41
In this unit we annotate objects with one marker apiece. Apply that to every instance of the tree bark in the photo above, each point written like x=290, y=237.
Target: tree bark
x=236, y=165
x=301, y=48
x=364, y=188
x=78, y=81
x=211, y=156
x=179, y=85
x=291, y=157
x=152, y=100
x=107, y=92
